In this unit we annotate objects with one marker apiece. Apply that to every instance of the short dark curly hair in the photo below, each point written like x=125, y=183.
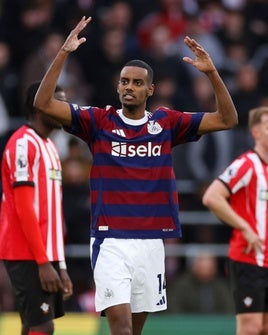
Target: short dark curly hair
x=144, y=65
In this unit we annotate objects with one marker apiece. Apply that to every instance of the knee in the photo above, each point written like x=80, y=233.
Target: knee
x=126, y=331
x=250, y=329
x=121, y=330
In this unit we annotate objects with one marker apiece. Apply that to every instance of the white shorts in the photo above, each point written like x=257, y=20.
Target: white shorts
x=129, y=271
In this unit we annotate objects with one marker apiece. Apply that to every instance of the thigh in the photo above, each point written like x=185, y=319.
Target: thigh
x=35, y=306
x=249, y=323
x=119, y=318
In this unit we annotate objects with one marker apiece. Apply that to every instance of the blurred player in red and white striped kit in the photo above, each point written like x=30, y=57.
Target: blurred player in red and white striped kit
x=31, y=223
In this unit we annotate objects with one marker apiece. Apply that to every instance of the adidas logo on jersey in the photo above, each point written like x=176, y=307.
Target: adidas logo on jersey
x=130, y=150
x=162, y=301
x=119, y=132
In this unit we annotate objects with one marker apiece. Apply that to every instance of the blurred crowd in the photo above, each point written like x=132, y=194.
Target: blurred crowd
x=234, y=32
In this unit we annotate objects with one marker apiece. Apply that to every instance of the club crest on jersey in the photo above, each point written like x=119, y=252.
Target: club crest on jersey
x=44, y=307
x=108, y=293
x=154, y=127
x=248, y=301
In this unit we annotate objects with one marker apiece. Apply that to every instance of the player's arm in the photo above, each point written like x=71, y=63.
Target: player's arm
x=216, y=199
x=24, y=199
x=44, y=99
x=225, y=117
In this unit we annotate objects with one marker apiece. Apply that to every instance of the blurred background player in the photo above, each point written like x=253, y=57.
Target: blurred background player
x=31, y=229
x=239, y=198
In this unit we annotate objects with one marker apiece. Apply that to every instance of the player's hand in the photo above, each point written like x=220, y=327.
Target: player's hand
x=73, y=41
x=202, y=59
x=67, y=284
x=49, y=278
x=254, y=241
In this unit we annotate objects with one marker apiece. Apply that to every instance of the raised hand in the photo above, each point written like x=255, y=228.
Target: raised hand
x=202, y=60
x=73, y=41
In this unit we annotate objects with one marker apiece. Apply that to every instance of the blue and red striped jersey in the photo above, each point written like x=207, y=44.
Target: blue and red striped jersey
x=132, y=182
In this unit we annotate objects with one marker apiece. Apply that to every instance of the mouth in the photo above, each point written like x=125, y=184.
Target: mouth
x=128, y=96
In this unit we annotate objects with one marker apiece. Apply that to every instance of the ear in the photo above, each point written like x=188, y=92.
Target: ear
x=255, y=131
x=150, y=90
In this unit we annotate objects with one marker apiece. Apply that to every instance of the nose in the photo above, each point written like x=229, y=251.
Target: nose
x=129, y=86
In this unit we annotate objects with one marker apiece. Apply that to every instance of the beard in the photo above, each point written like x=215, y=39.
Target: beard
x=130, y=107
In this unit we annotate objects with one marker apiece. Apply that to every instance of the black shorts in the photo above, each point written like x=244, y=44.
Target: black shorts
x=249, y=286
x=35, y=305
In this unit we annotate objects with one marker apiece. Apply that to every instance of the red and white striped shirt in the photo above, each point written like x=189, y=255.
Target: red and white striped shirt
x=247, y=179
x=29, y=159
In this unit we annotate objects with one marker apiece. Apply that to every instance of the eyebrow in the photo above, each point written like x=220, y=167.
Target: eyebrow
x=133, y=78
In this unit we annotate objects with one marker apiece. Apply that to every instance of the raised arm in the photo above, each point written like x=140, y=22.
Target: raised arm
x=225, y=117
x=44, y=99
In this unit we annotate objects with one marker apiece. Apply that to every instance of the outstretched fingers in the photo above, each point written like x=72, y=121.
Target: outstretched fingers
x=191, y=43
x=82, y=24
x=73, y=41
x=202, y=59
x=194, y=46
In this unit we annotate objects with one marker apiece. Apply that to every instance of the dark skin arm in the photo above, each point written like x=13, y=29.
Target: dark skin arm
x=44, y=99
x=24, y=199
x=50, y=280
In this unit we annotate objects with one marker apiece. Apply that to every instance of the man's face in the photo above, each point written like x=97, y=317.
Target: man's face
x=134, y=87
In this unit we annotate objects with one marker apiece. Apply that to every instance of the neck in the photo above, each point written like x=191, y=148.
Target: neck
x=39, y=129
x=134, y=113
x=262, y=152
